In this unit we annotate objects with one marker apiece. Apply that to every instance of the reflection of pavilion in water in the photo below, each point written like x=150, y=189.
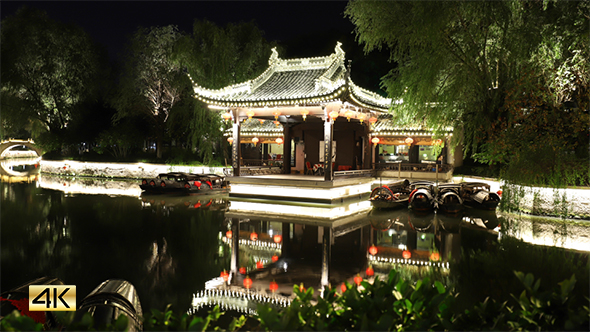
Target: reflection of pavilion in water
x=307, y=247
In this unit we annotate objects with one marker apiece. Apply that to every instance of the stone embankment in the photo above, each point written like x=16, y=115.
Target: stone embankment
x=118, y=170
x=573, y=202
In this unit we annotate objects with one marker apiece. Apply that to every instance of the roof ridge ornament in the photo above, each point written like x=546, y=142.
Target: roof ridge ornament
x=274, y=57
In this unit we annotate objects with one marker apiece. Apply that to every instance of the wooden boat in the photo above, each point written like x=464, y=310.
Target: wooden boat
x=448, y=198
x=422, y=196
x=478, y=195
x=109, y=300
x=189, y=183
x=391, y=196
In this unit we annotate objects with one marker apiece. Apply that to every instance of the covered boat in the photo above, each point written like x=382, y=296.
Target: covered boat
x=109, y=300
x=478, y=195
x=448, y=198
x=422, y=196
x=184, y=182
x=391, y=196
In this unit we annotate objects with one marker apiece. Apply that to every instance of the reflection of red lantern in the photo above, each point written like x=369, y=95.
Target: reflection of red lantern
x=277, y=238
x=253, y=236
x=274, y=258
x=358, y=279
x=370, y=272
x=343, y=287
x=259, y=265
x=406, y=254
x=224, y=275
x=373, y=250
x=435, y=256
x=229, y=234
x=248, y=282
x=242, y=270
x=273, y=286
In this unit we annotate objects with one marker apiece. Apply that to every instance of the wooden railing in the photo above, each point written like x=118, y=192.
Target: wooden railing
x=408, y=167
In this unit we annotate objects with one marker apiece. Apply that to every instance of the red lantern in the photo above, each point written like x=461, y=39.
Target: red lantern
x=373, y=250
x=226, y=116
x=259, y=265
x=304, y=112
x=334, y=115
x=370, y=272
x=248, y=282
x=229, y=234
x=409, y=140
x=224, y=275
x=273, y=286
x=242, y=270
x=274, y=258
x=499, y=192
x=372, y=120
x=277, y=238
x=358, y=279
x=375, y=140
x=435, y=256
x=343, y=287
x=406, y=254
x=254, y=236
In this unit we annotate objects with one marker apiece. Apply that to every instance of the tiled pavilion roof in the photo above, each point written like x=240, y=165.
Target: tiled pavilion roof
x=385, y=126
x=291, y=82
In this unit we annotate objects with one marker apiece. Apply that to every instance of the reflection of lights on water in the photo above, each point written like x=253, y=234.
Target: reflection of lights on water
x=235, y=298
x=285, y=265
x=403, y=261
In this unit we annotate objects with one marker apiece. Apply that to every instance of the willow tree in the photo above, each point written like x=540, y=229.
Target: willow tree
x=151, y=81
x=216, y=57
x=47, y=70
x=459, y=63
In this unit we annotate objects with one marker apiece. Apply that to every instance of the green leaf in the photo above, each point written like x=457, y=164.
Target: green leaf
x=439, y=287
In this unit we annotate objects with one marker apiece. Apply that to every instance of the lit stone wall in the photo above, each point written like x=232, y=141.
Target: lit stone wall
x=571, y=202
x=549, y=232
x=119, y=170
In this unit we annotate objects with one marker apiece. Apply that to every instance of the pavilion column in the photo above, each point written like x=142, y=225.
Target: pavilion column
x=326, y=256
x=328, y=138
x=236, y=151
x=367, y=151
x=235, y=248
x=286, y=148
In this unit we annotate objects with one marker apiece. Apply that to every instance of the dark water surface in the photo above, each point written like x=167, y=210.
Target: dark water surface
x=169, y=247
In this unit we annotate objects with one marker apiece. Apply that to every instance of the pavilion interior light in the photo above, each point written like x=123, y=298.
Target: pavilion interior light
x=304, y=112
x=361, y=117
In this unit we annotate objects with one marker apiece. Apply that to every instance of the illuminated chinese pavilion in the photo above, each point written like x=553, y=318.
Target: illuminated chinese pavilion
x=304, y=102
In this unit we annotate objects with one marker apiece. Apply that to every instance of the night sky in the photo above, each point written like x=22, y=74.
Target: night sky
x=109, y=22
x=302, y=28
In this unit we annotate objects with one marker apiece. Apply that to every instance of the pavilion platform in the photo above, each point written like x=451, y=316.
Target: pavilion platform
x=302, y=188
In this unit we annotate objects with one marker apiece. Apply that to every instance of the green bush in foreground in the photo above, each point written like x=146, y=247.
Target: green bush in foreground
x=389, y=305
